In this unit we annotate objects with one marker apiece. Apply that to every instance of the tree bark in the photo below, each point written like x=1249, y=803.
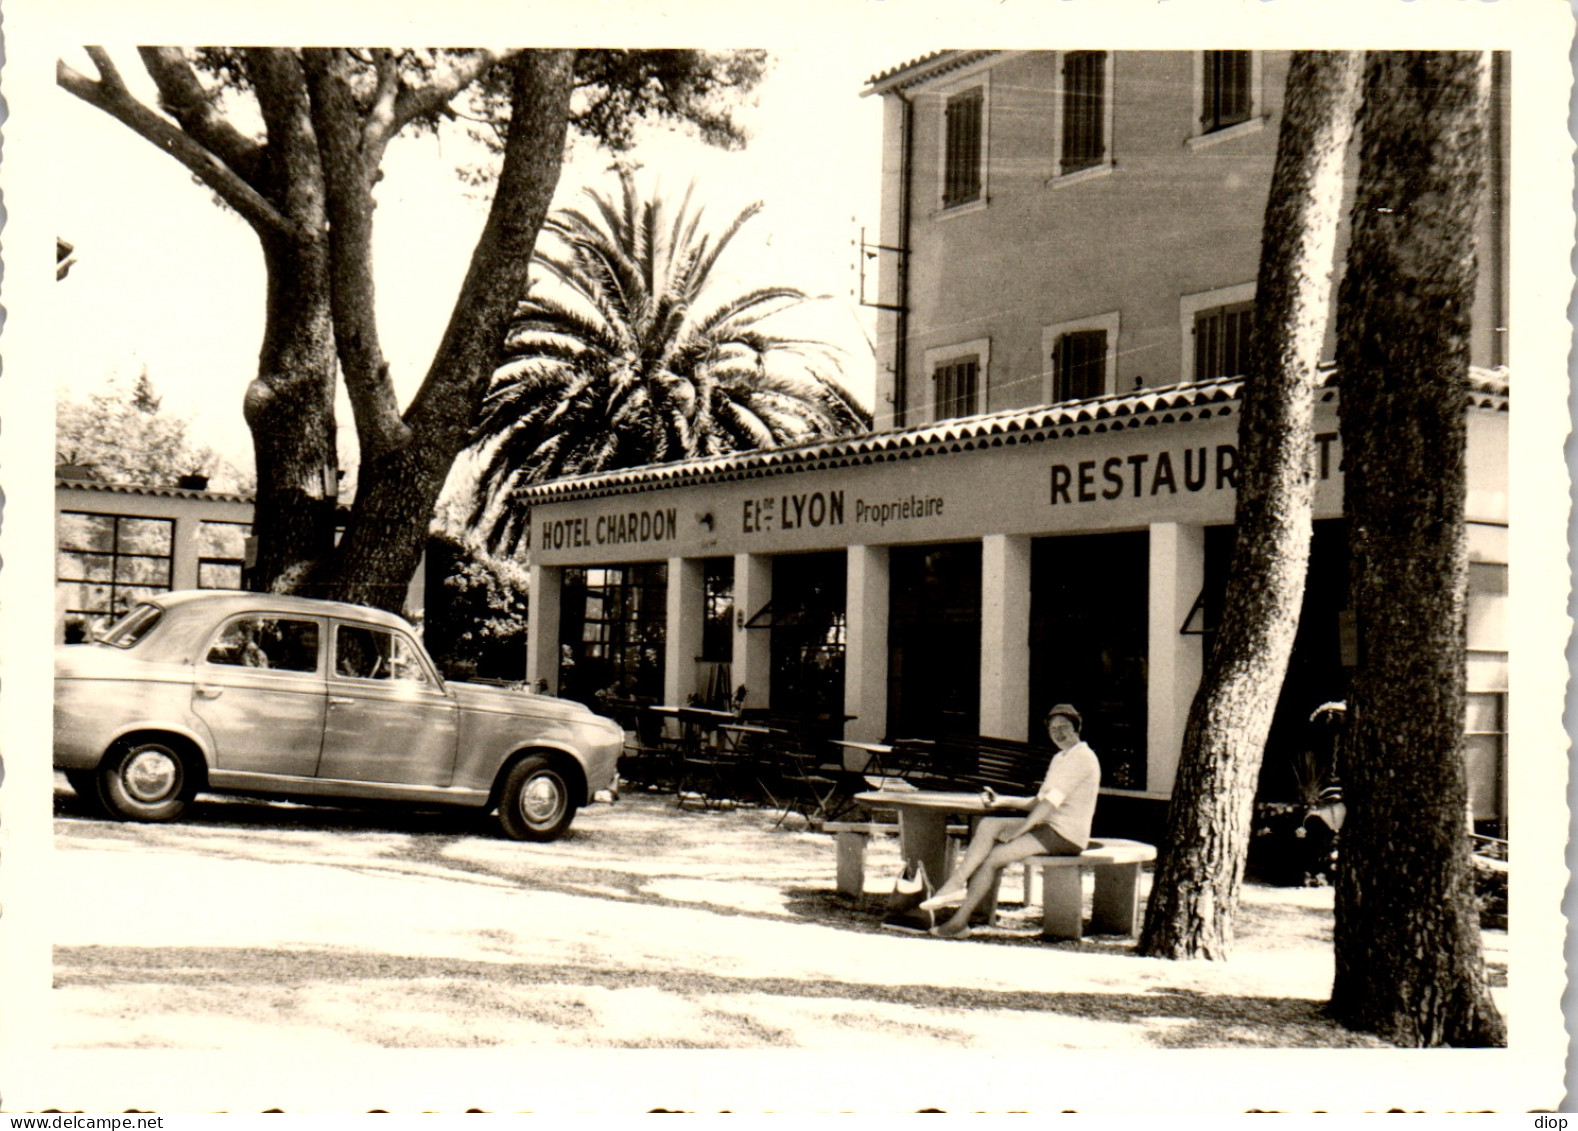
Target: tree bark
x=398, y=489
x=1194, y=899
x=1409, y=965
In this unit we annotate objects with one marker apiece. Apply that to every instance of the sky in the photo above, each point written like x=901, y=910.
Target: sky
x=168, y=281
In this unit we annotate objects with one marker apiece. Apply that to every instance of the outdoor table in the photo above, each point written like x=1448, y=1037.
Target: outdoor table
x=694, y=721
x=923, y=822
x=873, y=762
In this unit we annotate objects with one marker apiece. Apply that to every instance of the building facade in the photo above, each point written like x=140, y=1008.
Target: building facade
x=1044, y=511
x=116, y=543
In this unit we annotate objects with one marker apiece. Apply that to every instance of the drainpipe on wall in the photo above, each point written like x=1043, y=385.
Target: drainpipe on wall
x=901, y=327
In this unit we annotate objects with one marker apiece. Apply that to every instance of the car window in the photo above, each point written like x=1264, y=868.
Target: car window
x=274, y=643
x=132, y=627
x=373, y=653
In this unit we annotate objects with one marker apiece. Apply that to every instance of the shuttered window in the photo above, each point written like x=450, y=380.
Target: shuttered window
x=962, y=154
x=1084, y=110
x=1079, y=365
x=957, y=384
x=1221, y=341
x=1226, y=99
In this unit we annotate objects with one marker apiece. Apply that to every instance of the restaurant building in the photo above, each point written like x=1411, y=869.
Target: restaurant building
x=1044, y=509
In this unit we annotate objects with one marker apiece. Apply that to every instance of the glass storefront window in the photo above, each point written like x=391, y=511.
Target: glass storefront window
x=106, y=563
x=611, y=632
x=222, y=551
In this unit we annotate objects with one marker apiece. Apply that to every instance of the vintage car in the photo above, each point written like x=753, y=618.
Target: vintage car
x=255, y=693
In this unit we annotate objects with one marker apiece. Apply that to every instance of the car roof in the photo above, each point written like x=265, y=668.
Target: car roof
x=224, y=602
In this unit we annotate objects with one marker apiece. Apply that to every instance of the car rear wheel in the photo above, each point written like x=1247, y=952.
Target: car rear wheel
x=145, y=781
x=535, y=803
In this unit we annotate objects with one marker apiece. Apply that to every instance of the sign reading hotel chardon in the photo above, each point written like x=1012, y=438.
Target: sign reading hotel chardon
x=1076, y=485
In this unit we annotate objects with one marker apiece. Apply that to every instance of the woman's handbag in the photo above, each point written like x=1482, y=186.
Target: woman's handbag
x=911, y=888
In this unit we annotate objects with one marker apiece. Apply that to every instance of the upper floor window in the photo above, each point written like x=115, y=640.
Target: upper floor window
x=957, y=384
x=1079, y=365
x=964, y=131
x=958, y=375
x=1221, y=340
x=1084, y=143
x=1082, y=358
x=1214, y=326
x=1227, y=96
x=1225, y=90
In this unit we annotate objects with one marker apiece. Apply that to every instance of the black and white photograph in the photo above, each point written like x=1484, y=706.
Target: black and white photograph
x=783, y=561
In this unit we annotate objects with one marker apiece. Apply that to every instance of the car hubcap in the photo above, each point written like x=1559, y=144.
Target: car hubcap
x=542, y=800
x=151, y=775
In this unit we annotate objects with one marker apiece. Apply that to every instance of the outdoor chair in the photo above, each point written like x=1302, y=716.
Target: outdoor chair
x=794, y=781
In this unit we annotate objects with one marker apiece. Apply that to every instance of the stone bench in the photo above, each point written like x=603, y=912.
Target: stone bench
x=1115, y=909
x=851, y=839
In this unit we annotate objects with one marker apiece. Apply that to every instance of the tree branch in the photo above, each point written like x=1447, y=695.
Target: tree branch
x=413, y=102
x=349, y=172
x=183, y=97
x=110, y=94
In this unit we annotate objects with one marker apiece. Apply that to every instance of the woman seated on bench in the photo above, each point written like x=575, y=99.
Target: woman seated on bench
x=1056, y=823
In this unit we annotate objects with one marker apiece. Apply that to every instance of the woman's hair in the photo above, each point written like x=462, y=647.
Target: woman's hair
x=1068, y=712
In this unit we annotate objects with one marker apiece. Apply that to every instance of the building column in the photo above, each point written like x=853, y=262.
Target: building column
x=686, y=609
x=185, y=549
x=752, y=666
x=1005, y=636
x=866, y=643
x=1175, y=661
x=542, y=627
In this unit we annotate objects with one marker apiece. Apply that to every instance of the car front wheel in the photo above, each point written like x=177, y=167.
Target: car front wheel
x=145, y=781
x=535, y=802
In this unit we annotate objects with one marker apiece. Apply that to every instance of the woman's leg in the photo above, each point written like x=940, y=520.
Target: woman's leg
x=981, y=845
x=985, y=876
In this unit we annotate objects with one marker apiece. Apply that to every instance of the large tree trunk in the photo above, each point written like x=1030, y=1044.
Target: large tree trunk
x=289, y=408
x=397, y=489
x=1194, y=899
x=1409, y=961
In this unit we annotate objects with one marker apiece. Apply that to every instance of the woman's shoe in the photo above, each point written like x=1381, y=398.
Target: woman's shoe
x=940, y=931
x=944, y=897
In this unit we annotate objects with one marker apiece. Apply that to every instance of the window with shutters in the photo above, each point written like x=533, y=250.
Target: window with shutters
x=957, y=384
x=1079, y=365
x=1225, y=94
x=964, y=118
x=1080, y=358
x=959, y=375
x=1085, y=101
x=1227, y=98
x=1221, y=341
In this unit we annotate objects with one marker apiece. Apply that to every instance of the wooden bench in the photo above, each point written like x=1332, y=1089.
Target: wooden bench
x=1115, y=908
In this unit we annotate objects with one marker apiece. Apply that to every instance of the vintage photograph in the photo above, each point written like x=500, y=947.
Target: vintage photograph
x=799, y=567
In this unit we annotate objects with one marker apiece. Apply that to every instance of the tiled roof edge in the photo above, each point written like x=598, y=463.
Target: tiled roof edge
x=156, y=491
x=924, y=67
x=1112, y=412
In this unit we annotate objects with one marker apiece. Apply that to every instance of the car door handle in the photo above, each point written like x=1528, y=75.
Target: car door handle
x=209, y=692
x=340, y=701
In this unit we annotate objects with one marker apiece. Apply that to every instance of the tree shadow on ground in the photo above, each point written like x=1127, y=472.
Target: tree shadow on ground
x=1173, y=1018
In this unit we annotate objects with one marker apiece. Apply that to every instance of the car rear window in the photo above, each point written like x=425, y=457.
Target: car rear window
x=271, y=643
x=132, y=627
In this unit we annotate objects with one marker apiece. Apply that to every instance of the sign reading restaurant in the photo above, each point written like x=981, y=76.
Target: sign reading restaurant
x=1116, y=480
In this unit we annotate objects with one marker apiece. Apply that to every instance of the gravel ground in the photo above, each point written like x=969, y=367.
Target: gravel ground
x=276, y=929
x=649, y=926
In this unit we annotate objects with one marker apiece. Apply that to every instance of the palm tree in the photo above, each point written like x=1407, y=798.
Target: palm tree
x=617, y=363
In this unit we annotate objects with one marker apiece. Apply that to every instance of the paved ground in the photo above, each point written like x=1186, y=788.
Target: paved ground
x=277, y=930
